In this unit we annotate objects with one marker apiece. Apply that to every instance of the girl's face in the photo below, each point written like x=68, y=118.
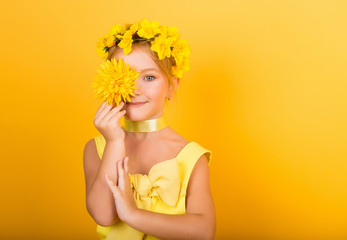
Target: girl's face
x=152, y=86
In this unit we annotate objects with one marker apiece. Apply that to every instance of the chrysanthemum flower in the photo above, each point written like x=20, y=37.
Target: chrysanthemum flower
x=115, y=81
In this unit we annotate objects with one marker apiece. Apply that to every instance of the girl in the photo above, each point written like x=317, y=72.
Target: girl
x=144, y=180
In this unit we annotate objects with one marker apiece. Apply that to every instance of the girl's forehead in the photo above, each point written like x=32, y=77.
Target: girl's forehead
x=137, y=58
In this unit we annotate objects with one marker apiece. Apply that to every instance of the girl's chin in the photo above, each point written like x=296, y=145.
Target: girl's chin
x=135, y=117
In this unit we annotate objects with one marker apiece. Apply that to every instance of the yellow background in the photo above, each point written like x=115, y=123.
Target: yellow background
x=266, y=93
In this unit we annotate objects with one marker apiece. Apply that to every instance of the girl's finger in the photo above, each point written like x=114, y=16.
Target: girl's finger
x=126, y=165
x=100, y=108
x=105, y=109
x=116, y=183
x=113, y=187
x=126, y=168
x=116, y=113
x=115, y=118
x=117, y=108
x=120, y=175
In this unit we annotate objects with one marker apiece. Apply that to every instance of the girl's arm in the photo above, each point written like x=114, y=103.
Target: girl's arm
x=99, y=199
x=199, y=222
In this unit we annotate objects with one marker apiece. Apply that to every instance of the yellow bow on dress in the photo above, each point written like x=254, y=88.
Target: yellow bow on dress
x=162, y=181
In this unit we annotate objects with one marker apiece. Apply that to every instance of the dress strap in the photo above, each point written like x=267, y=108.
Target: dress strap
x=100, y=144
x=188, y=157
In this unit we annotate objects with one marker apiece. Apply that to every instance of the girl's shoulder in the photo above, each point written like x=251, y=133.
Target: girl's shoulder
x=190, y=148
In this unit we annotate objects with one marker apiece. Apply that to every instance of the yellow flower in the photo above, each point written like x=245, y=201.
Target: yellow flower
x=102, y=53
x=117, y=29
x=148, y=29
x=126, y=42
x=115, y=81
x=100, y=45
x=180, y=49
x=162, y=45
x=109, y=40
x=170, y=32
x=181, y=66
x=134, y=28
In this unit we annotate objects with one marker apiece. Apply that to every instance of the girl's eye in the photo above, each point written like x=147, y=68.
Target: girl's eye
x=150, y=76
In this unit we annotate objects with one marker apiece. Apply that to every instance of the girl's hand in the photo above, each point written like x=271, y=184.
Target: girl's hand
x=107, y=121
x=123, y=195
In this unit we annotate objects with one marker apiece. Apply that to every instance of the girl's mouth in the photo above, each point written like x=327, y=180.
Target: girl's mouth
x=136, y=104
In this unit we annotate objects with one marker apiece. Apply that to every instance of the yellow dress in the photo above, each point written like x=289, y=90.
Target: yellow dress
x=163, y=190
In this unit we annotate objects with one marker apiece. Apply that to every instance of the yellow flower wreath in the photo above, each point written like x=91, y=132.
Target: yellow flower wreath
x=115, y=80
x=165, y=41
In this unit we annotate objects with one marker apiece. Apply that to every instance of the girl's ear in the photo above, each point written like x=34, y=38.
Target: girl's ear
x=176, y=81
x=173, y=88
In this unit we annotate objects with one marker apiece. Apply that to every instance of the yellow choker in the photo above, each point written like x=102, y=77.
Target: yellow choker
x=150, y=125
